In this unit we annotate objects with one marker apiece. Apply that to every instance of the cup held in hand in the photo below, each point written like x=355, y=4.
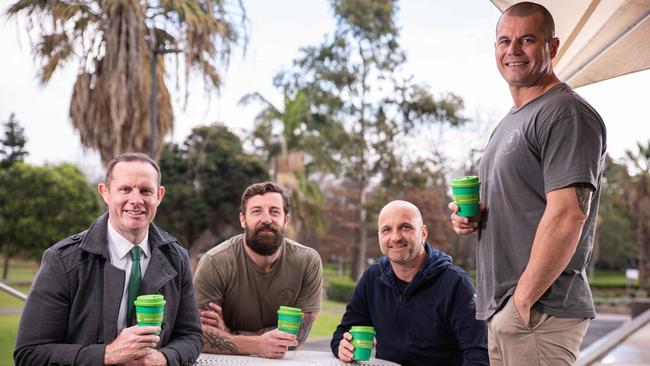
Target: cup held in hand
x=466, y=195
x=150, y=310
x=363, y=341
x=289, y=319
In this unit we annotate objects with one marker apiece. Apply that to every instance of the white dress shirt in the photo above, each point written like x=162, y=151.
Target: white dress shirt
x=119, y=250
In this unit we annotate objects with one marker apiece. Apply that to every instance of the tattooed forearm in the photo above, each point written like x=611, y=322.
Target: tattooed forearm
x=214, y=342
x=305, y=326
x=583, y=193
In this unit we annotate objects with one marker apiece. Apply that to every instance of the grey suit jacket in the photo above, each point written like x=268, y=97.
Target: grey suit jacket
x=71, y=311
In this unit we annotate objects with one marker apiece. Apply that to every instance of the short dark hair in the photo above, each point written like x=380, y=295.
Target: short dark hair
x=527, y=8
x=129, y=156
x=258, y=189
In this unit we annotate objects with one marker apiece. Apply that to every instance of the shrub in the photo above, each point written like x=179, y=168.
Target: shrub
x=340, y=289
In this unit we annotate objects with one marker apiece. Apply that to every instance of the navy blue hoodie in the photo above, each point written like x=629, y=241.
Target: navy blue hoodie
x=432, y=323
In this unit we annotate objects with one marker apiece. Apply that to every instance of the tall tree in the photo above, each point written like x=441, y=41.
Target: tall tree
x=113, y=43
x=639, y=207
x=12, y=144
x=356, y=78
x=40, y=205
x=205, y=178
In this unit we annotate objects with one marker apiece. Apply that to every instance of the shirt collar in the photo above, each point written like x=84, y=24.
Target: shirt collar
x=122, y=246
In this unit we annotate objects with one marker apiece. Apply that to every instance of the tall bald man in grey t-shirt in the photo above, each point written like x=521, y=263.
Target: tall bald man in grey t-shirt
x=540, y=185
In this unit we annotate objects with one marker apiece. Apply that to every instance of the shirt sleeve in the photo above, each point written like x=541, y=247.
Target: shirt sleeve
x=571, y=150
x=310, y=296
x=209, y=283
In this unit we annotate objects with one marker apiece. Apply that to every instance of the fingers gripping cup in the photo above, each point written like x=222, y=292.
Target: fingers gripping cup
x=289, y=319
x=363, y=342
x=466, y=195
x=150, y=310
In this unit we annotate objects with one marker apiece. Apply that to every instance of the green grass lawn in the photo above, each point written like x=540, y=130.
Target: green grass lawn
x=8, y=302
x=328, y=319
x=8, y=330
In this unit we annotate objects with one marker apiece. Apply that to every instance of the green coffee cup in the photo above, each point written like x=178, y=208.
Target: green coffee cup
x=363, y=341
x=466, y=195
x=150, y=310
x=289, y=319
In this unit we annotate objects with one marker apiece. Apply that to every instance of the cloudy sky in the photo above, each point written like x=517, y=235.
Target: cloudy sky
x=449, y=46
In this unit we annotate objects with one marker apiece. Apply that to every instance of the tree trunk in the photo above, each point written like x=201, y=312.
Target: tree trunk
x=5, y=268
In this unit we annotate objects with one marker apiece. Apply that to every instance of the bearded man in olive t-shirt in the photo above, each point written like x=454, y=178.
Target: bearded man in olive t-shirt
x=241, y=282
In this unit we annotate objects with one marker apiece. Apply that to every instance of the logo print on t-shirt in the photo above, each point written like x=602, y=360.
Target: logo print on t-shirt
x=511, y=142
x=286, y=296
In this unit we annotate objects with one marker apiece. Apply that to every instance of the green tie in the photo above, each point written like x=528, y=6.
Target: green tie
x=134, y=284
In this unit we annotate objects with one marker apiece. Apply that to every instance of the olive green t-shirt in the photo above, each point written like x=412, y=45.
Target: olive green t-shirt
x=250, y=298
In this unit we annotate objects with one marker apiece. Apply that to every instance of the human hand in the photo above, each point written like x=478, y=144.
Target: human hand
x=464, y=225
x=154, y=358
x=213, y=316
x=346, y=349
x=275, y=343
x=522, y=309
x=131, y=344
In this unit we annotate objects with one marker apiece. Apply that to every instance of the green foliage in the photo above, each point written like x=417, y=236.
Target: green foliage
x=205, y=178
x=356, y=79
x=12, y=144
x=615, y=232
x=40, y=205
x=340, y=289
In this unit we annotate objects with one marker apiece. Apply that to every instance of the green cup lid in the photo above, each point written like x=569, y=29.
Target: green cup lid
x=468, y=181
x=362, y=329
x=150, y=300
x=289, y=309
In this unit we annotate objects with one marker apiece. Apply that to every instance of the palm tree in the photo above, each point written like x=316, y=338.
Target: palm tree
x=286, y=138
x=638, y=197
x=113, y=42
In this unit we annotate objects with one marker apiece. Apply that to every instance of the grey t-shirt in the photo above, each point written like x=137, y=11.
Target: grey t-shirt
x=552, y=142
x=249, y=297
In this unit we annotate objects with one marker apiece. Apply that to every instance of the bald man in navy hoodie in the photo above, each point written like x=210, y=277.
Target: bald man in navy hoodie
x=421, y=305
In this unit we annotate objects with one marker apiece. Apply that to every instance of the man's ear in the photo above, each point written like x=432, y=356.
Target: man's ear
x=242, y=220
x=554, y=46
x=104, y=192
x=425, y=233
x=161, y=193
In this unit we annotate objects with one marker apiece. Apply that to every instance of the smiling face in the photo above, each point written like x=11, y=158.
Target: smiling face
x=401, y=233
x=264, y=221
x=132, y=196
x=523, y=54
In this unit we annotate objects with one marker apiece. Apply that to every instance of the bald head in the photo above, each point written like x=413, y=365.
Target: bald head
x=402, y=234
x=392, y=207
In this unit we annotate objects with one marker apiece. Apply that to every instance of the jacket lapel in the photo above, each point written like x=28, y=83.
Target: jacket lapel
x=159, y=270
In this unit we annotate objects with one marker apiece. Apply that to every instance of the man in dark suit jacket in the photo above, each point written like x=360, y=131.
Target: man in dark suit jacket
x=77, y=312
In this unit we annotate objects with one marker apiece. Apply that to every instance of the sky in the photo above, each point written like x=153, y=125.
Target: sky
x=449, y=45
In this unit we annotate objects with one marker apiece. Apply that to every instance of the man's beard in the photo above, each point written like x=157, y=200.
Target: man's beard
x=264, y=244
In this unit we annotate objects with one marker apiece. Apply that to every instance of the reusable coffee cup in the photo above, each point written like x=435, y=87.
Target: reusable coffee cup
x=466, y=195
x=150, y=310
x=289, y=319
x=363, y=342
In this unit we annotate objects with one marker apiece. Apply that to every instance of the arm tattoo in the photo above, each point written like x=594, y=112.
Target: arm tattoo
x=305, y=326
x=218, y=343
x=583, y=193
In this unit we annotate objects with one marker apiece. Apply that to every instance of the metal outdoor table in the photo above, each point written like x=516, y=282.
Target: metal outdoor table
x=291, y=358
